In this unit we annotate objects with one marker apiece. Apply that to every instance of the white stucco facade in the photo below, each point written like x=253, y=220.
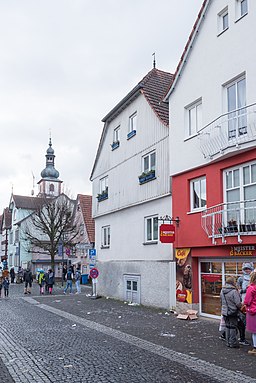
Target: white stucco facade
x=213, y=60
x=129, y=259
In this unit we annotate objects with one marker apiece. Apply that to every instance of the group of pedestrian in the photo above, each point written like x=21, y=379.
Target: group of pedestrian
x=46, y=281
x=238, y=308
x=71, y=275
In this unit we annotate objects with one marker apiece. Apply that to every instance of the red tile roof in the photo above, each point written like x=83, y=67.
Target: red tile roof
x=154, y=87
x=86, y=208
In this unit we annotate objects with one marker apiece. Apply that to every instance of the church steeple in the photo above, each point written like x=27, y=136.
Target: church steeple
x=49, y=185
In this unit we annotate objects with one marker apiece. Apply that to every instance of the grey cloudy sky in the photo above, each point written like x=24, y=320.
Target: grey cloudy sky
x=64, y=64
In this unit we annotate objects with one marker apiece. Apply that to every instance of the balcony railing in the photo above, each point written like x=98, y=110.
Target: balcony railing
x=230, y=130
x=230, y=219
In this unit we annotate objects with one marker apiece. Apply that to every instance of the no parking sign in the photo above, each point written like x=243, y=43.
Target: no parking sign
x=94, y=273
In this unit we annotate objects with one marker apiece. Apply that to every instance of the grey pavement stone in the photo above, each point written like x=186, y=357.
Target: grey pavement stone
x=110, y=342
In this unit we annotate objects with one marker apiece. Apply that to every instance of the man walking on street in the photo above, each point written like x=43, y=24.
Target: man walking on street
x=77, y=279
x=28, y=278
x=69, y=281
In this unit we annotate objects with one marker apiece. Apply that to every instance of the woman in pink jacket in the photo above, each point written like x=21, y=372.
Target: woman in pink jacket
x=250, y=303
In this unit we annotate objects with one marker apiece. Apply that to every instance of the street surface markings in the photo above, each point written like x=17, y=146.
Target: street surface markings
x=218, y=373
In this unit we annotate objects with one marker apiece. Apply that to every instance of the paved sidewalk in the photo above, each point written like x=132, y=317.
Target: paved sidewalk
x=198, y=338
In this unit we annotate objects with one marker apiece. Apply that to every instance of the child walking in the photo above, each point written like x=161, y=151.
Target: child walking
x=6, y=284
x=41, y=281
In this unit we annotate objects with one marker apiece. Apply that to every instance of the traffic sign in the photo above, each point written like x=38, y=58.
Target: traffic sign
x=92, y=251
x=94, y=273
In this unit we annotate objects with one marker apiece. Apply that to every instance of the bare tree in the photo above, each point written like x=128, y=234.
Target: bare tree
x=50, y=224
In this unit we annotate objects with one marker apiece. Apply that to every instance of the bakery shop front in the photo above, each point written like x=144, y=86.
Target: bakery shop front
x=214, y=265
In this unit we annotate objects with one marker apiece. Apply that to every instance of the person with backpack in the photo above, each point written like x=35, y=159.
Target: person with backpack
x=41, y=281
x=69, y=281
x=77, y=279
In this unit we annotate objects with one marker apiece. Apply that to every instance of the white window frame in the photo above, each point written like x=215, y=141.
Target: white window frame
x=241, y=187
x=222, y=16
x=105, y=236
x=240, y=12
x=237, y=121
x=198, y=181
x=103, y=184
x=132, y=123
x=193, y=112
x=151, y=163
x=116, y=134
x=154, y=235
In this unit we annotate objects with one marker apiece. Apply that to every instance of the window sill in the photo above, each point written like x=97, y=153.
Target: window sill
x=197, y=211
x=221, y=32
x=241, y=17
x=104, y=247
x=131, y=134
x=150, y=243
x=190, y=137
x=115, y=145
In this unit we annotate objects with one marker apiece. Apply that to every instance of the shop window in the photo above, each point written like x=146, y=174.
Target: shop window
x=213, y=275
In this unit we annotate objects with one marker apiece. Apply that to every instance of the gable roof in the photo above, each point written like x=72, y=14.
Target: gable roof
x=184, y=57
x=153, y=87
x=86, y=208
x=28, y=203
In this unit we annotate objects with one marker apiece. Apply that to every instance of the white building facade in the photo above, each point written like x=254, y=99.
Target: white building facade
x=131, y=191
x=214, y=136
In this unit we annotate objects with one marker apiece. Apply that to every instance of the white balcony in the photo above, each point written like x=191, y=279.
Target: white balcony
x=230, y=219
x=231, y=131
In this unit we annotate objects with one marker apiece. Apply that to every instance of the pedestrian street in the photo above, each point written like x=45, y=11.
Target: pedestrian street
x=74, y=338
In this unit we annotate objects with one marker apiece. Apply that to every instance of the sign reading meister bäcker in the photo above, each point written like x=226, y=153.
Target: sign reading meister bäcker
x=247, y=250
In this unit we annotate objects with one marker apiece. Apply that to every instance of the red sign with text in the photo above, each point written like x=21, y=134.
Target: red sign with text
x=167, y=233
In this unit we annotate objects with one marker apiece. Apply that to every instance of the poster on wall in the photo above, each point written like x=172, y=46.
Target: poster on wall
x=183, y=275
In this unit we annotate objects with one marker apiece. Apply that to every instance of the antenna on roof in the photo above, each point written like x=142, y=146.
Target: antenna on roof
x=154, y=61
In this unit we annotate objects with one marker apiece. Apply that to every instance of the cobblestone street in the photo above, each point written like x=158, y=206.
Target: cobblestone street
x=77, y=339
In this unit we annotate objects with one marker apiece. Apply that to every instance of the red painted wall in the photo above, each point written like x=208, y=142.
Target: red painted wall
x=190, y=232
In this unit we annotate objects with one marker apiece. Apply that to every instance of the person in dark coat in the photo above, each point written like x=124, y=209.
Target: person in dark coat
x=6, y=284
x=50, y=280
x=12, y=274
x=230, y=306
x=28, y=279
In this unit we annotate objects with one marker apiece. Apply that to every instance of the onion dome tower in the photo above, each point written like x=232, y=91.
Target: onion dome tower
x=49, y=185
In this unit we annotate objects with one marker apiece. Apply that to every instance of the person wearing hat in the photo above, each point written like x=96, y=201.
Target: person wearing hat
x=230, y=306
x=243, y=281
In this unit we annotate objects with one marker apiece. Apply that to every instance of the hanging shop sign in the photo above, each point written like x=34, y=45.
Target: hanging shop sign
x=167, y=233
x=243, y=251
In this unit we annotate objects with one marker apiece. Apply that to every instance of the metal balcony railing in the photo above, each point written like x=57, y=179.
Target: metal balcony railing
x=230, y=219
x=228, y=131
